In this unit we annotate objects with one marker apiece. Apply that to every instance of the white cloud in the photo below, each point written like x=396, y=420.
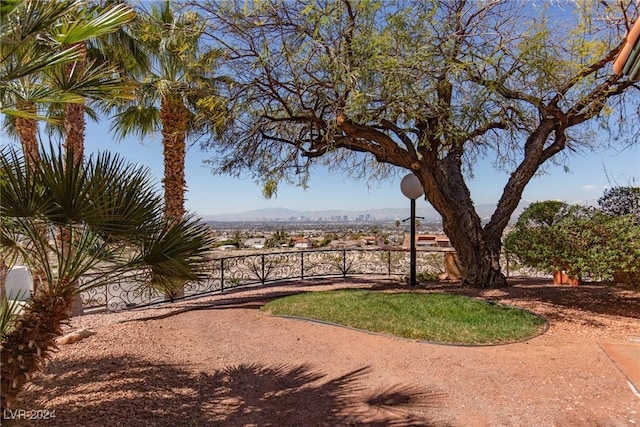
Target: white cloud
x=588, y=187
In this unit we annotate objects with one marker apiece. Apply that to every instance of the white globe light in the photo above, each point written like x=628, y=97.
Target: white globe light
x=411, y=187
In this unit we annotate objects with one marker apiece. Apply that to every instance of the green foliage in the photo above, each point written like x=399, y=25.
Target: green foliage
x=9, y=310
x=427, y=276
x=435, y=317
x=67, y=219
x=182, y=67
x=533, y=240
x=38, y=38
x=279, y=238
x=395, y=67
x=621, y=201
x=580, y=240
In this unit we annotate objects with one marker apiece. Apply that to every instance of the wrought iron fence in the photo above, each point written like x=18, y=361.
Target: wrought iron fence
x=256, y=269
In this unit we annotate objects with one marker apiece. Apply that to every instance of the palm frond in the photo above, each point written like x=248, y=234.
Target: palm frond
x=95, y=81
x=175, y=253
x=39, y=36
x=89, y=23
x=9, y=311
x=21, y=195
x=24, y=21
x=136, y=120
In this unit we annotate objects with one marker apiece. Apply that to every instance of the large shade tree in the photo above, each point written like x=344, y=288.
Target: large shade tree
x=431, y=87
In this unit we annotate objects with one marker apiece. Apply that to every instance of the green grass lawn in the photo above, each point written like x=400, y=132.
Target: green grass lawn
x=441, y=318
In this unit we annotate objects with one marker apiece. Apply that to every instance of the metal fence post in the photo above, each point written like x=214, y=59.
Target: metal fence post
x=302, y=265
x=344, y=263
x=221, y=274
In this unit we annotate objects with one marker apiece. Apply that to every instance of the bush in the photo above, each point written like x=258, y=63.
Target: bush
x=534, y=240
x=618, y=201
x=580, y=240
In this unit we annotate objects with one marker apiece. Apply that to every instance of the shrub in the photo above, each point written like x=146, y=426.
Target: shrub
x=534, y=241
x=618, y=201
x=581, y=240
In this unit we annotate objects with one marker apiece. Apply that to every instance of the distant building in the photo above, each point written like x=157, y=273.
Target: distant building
x=301, y=242
x=427, y=241
x=369, y=240
x=226, y=247
x=345, y=244
x=255, y=243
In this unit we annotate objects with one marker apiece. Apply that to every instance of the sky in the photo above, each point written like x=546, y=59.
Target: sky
x=589, y=175
x=208, y=194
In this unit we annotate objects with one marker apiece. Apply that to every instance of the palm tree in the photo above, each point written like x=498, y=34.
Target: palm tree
x=37, y=39
x=84, y=75
x=178, y=97
x=113, y=218
x=106, y=208
x=109, y=47
x=39, y=36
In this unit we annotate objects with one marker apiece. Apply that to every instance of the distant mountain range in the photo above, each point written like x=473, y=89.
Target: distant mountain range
x=385, y=214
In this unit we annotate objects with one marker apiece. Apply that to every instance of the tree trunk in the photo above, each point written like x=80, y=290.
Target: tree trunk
x=478, y=252
x=478, y=249
x=74, y=120
x=74, y=125
x=27, y=129
x=27, y=346
x=173, y=115
x=4, y=270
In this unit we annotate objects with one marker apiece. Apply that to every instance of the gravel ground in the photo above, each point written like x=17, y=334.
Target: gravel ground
x=220, y=361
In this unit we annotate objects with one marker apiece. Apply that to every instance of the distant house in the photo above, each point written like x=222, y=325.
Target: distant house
x=301, y=242
x=369, y=240
x=427, y=241
x=255, y=243
x=443, y=241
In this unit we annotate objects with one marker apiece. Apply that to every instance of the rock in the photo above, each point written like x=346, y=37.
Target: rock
x=75, y=336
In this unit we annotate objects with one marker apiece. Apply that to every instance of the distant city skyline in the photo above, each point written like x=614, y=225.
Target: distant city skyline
x=207, y=194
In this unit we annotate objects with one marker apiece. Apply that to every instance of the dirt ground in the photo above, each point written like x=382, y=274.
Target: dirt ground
x=220, y=361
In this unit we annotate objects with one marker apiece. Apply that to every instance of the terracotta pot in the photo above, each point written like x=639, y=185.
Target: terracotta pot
x=573, y=281
x=560, y=277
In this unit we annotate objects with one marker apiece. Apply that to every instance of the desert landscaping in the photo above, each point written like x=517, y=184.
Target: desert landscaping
x=219, y=360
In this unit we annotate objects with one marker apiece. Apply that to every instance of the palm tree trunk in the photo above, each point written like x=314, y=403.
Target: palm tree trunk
x=27, y=129
x=74, y=125
x=173, y=115
x=74, y=120
x=4, y=270
x=27, y=346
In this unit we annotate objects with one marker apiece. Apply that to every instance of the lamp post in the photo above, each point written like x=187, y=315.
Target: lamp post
x=412, y=189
